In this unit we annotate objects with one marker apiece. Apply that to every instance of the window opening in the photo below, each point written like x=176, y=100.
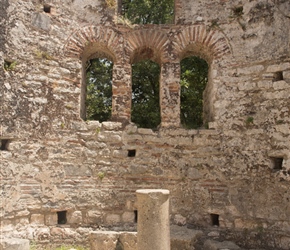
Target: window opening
x=98, y=97
x=193, y=80
x=135, y=216
x=132, y=153
x=278, y=76
x=277, y=163
x=46, y=8
x=145, y=111
x=61, y=217
x=215, y=220
x=147, y=11
x=4, y=144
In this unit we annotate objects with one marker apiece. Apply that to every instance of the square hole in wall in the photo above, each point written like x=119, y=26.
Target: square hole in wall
x=61, y=217
x=278, y=76
x=215, y=220
x=4, y=144
x=46, y=8
x=277, y=163
x=132, y=153
x=135, y=216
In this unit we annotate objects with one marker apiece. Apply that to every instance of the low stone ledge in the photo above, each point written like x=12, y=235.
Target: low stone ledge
x=216, y=245
x=111, y=240
x=14, y=244
x=180, y=238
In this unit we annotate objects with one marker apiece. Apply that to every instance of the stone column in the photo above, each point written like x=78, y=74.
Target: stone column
x=153, y=230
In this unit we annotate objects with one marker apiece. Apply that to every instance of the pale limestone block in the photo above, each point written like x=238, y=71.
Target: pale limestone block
x=93, y=216
x=113, y=219
x=280, y=85
x=14, y=244
x=37, y=219
x=145, y=131
x=22, y=213
x=128, y=217
x=103, y=240
x=278, y=67
x=251, y=70
x=128, y=240
x=75, y=217
x=93, y=125
x=286, y=74
x=112, y=125
x=57, y=231
x=247, y=86
x=51, y=219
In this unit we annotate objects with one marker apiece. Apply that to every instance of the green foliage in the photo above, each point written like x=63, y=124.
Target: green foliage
x=148, y=11
x=9, y=66
x=193, y=80
x=249, y=120
x=99, y=89
x=101, y=175
x=145, y=94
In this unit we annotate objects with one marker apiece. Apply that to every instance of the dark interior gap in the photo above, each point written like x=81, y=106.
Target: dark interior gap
x=132, y=153
x=46, y=8
x=135, y=216
x=61, y=217
x=278, y=76
x=277, y=163
x=215, y=220
x=4, y=144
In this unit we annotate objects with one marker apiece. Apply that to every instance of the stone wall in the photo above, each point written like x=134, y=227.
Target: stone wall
x=234, y=174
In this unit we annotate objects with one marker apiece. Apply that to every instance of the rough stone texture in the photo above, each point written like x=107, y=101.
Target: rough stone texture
x=14, y=244
x=53, y=159
x=183, y=238
x=214, y=245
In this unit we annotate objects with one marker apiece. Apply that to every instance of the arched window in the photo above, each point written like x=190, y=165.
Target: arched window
x=97, y=90
x=147, y=11
x=145, y=94
x=193, y=81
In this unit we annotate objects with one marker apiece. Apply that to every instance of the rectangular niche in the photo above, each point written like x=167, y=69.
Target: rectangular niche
x=61, y=217
x=132, y=153
x=4, y=144
x=215, y=220
x=278, y=76
x=277, y=163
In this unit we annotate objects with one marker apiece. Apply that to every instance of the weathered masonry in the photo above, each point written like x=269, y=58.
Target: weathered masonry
x=61, y=176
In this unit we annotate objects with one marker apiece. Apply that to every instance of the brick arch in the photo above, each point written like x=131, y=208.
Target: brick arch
x=91, y=39
x=208, y=44
x=147, y=43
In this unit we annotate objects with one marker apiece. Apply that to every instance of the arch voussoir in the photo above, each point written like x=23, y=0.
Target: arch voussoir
x=213, y=43
x=103, y=37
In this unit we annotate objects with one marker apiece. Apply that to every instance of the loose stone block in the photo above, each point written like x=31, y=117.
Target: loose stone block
x=103, y=240
x=153, y=219
x=14, y=244
x=183, y=238
x=128, y=240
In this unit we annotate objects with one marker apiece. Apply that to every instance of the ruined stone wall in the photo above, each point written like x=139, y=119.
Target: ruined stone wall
x=52, y=160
